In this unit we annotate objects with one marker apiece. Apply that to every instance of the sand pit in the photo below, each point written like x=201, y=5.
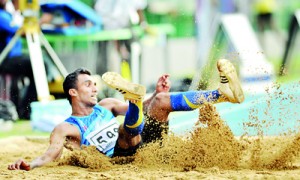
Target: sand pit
x=210, y=152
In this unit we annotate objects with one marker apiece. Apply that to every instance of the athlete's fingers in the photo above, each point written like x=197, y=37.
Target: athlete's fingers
x=163, y=77
x=16, y=165
x=166, y=83
x=12, y=167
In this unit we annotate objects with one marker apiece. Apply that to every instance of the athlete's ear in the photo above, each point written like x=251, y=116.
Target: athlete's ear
x=73, y=92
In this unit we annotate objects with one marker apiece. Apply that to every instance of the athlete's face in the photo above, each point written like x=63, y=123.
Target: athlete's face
x=86, y=90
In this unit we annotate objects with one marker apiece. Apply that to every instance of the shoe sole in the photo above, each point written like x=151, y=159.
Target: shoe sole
x=228, y=70
x=129, y=90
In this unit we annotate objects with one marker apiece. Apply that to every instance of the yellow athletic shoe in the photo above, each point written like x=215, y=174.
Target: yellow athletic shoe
x=129, y=90
x=230, y=86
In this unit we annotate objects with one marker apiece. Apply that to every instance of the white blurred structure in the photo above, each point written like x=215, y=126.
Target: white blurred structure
x=256, y=72
x=235, y=39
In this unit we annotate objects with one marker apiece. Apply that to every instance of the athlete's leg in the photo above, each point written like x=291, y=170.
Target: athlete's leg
x=229, y=91
x=134, y=118
x=130, y=130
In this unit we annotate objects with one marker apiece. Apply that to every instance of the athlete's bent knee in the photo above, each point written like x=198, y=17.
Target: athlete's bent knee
x=162, y=100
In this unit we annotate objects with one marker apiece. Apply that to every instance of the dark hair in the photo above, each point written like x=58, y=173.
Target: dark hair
x=2, y=4
x=71, y=80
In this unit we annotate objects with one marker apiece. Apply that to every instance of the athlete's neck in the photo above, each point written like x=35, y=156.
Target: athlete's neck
x=81, y=111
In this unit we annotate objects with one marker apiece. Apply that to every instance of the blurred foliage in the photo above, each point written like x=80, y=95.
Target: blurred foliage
x=178, y=13
x=88, y=2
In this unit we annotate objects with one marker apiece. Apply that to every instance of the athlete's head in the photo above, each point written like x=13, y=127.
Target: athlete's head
x=70, y=81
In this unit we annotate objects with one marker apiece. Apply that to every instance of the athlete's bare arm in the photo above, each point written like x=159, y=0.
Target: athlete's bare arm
x=116, y=106
x=163, y=85
x=54, y=151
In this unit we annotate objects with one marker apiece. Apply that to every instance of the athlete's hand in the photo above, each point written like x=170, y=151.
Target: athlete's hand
x=163, y=84
x=19, y=165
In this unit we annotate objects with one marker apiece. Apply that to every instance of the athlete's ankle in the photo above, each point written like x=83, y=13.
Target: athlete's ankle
x=134, y=118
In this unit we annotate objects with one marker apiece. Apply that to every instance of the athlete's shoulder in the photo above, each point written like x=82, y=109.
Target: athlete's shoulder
x=103, y=111
x=100, y=108
x=64, y=128
x=4, y=15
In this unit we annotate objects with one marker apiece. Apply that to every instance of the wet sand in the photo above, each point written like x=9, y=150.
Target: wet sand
x=210, y=152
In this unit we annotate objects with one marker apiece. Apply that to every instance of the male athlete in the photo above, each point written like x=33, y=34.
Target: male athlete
x=93, y=123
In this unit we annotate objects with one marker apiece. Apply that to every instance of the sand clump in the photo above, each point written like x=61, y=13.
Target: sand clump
x=206, y=147
x=210, y=145
x=87, y=157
